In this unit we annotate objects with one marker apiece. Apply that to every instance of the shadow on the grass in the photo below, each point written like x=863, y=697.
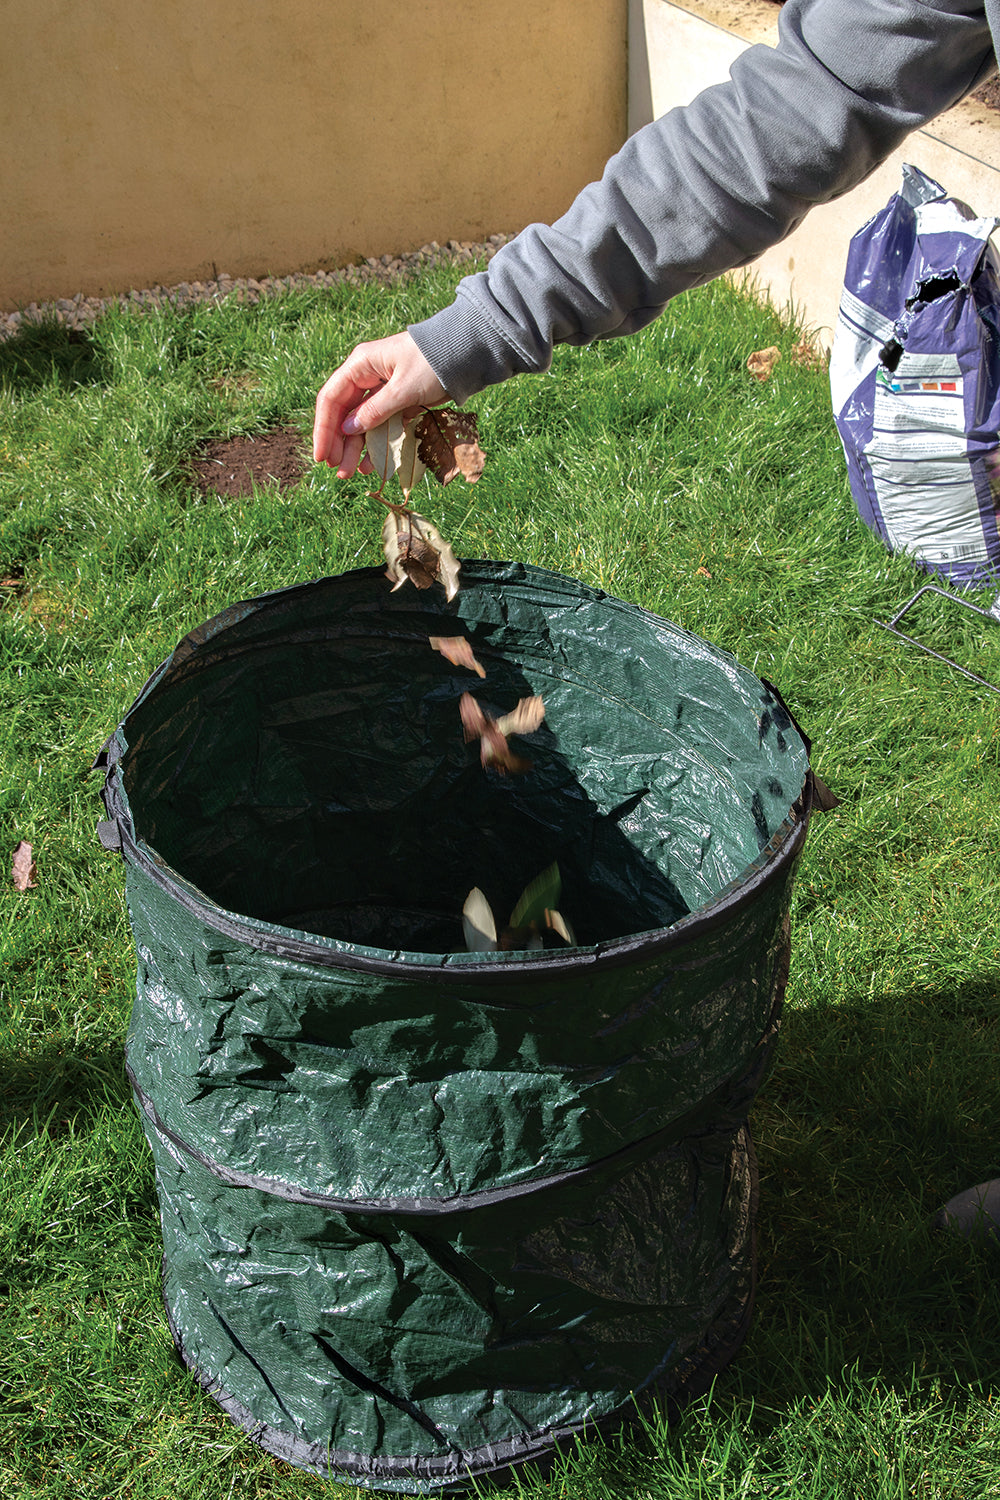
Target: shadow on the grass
x=40, y=353
x=880, y=1108
x=49, y=1087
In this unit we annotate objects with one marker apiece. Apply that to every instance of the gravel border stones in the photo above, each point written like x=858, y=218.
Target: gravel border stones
x=80, y=311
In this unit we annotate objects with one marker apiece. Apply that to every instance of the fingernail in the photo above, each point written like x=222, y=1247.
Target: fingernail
x=350, y=426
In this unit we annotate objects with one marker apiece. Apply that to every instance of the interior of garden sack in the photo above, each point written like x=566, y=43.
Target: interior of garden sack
x=307, y=765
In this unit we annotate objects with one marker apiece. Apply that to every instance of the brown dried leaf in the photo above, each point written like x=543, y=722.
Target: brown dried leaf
x=520, y=939
x=23, y=868
x=762, y=362
x=416, y=550
x=419, y=561
x=457, y=650
x=448, y=444
x=808, y=356
x=494, y=751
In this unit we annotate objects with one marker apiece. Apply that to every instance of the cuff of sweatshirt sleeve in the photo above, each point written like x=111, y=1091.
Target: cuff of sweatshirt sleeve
x=464, y=349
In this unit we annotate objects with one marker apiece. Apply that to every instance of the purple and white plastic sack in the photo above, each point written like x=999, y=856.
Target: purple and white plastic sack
x=915, y=380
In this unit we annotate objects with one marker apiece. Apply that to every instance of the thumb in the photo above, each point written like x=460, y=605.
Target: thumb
x=372, y=412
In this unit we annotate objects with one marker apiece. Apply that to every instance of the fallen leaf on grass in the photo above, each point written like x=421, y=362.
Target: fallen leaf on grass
x=702, y=573
x=416, y=550
x=762, y=362
x=494, y=751
x=457, y=650
x=808, y=356
x=23, y=868
x=448, y=444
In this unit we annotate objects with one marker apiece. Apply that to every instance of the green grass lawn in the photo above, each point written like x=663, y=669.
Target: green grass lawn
x=660, y=470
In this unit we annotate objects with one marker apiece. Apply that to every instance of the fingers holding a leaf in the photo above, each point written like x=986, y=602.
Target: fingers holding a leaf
x=378, y=380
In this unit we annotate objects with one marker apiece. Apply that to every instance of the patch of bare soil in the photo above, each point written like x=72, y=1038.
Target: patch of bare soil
x=231, y=467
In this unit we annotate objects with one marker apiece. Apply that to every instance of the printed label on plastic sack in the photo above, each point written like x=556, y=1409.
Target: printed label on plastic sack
x=914, y=380
x=919, y=462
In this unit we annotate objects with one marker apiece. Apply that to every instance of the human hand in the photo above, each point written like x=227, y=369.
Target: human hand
x=375, y=382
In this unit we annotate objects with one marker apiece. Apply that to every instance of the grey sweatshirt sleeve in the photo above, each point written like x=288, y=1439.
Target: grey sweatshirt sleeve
x=709, y=187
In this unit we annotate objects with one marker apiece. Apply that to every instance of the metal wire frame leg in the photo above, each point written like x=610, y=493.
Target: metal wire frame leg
x=993, y=613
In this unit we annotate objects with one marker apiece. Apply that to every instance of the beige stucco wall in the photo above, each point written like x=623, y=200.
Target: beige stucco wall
x=678, y=49
x=146, y=141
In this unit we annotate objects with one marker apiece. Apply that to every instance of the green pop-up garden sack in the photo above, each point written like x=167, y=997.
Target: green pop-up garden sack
x=427, y=1213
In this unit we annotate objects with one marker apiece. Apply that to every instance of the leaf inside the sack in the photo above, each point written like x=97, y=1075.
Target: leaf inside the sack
x=448, y=444
x=415, y=551
x=22, y=867
x=544, y=891
x=478, y=923
x=457, y=650
x=515, y=939
x=392, y=449
x=557, y=923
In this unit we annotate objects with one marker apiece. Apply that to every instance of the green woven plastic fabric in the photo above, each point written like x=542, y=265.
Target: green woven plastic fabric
x=428, y=1213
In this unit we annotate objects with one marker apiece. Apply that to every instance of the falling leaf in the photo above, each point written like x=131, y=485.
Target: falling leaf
x=533, y=924
x=494, y=751
x=416, y=550
x=448, y=444
x=392, y=449
x=23, y=868
x=539, y=893
x=457, y=650
x=525, y=718
x=478, y=923
x=534, y=920
x=557, y=923
x=762, y=362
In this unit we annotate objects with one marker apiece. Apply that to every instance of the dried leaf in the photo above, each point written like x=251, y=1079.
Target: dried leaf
x=494, y=751
x=525, y=718
x=478, y=923
x=416, y=550
x=448, y=444
x=702, y=573
x=808, y=356
x=557, y=923
x=762, y=362
x=513, y=939
x=23, y=868
x=392, y=449
x=378, y=446
x=542, y=892
x=457, y=650
x=418, y=560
